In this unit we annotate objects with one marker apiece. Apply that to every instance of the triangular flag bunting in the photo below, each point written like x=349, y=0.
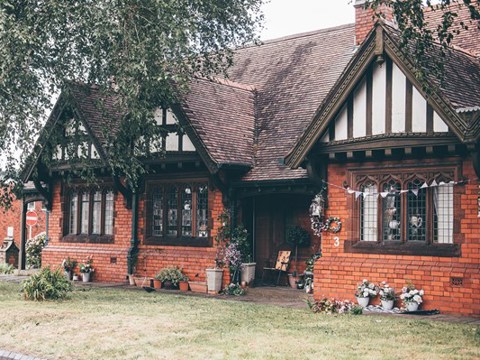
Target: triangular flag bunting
x=403, y=191
x=384, y=194
x=434, y=183
x=441, y=183
x=425, y=185
x=357, y=194
x=415, y=192
x=350, y=191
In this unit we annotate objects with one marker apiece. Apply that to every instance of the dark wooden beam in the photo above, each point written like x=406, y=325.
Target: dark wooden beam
x=369, y=101
x=408, y=105
x=350, y=116
x=388, y=97
x=429, y=119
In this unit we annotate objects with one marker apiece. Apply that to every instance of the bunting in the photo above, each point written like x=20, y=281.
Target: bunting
x=393, y=191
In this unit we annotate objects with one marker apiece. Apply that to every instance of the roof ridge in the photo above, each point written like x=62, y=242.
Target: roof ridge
x=299, y=35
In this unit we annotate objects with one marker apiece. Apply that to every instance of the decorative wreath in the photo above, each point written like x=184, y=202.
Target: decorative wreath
x=327, y=226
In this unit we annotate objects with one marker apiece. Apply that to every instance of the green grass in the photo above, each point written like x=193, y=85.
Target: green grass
x=128, y=324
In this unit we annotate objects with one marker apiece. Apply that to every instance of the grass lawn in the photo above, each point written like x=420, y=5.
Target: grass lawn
x=126, y=324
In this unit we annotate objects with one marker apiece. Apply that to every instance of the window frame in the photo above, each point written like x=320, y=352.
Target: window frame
x=89, y=237
x=404, y=174
x=179, y=239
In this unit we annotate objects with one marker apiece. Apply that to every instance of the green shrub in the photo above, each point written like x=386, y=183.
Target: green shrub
x=34, y=249
x=46, y=285
x=6, y=269
x=173, y=274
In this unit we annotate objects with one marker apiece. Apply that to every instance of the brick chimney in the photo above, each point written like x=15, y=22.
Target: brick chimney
x=365, y=19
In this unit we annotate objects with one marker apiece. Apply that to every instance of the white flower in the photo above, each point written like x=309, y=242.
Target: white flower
x=421, y=292
x=365, y=281
x=417, y=298
x=402, y=296
x=371, y=286
x=365, y=293
x=404, y=289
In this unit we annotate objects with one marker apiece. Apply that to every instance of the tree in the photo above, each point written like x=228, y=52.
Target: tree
x=147, y=50
x=421, y=32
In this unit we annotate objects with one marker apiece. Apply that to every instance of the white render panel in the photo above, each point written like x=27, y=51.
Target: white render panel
x=398, y=100
x=171, y=119
x=171, y=143
x=158, y=115
x=419, y=112
x=187, y=144
x=360, y=110
x=379, y=93
x=438, y=124
x=341, y=125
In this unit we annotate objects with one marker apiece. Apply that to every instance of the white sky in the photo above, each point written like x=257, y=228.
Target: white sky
x=287, y=17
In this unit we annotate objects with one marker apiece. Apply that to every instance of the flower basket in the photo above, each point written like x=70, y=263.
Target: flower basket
x=198, y=286
x=214, y=280
x=363, y=301
x=183, y=285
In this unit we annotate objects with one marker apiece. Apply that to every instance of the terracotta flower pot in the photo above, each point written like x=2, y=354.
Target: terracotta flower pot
x=292, y=280
x=157, y=284
x=183, y=285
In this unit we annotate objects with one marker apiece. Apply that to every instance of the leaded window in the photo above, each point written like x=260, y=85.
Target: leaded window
x=90, y=213
x=178, y=211
x=417, y=222
x=369, y=212
x=391, y=210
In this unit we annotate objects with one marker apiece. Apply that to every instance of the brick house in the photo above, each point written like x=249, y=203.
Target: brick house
x=338, y=106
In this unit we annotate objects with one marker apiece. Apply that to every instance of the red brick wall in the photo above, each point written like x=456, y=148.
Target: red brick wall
x=110, y=260
x=337, y=273
x=365, y=19
x=13, y=217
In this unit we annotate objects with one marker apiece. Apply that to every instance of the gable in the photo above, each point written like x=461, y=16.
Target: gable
x=409, y=112
x=384, y=101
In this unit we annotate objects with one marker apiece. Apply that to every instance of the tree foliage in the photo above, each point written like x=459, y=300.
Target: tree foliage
x=422, y=34
x=149, y=49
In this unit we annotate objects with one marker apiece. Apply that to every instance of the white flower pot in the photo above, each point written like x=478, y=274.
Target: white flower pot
x=363, y=301
x=86, y=277
x=387, y=304
x=248, y=273
x=214, y=280
x=68, y=275
x=412, y=306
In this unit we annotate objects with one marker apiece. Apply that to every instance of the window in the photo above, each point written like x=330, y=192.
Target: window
x=405, y=210
x=90, y=216
x=31, y=206
x=177, y=214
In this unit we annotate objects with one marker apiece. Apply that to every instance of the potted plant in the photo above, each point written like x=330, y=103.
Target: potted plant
x=170, y=277
x=411, y=297
x=241, y=238
x=387, y=296
x=87, y=269
x=296, y=237
x=68, y=266
x=183, y=283
x=365, y=291
x=215, y=274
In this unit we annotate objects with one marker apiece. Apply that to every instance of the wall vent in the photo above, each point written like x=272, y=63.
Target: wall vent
x=456, y=281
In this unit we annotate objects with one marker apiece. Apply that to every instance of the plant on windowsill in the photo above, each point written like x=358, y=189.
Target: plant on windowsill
x=365, y=291
x=411, y=297
x=87, y=269
x=296, y=237
x=171, y=277
x=68, y=266
x=387, y=295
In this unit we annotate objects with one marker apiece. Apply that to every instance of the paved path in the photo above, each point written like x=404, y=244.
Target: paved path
x=7, y=355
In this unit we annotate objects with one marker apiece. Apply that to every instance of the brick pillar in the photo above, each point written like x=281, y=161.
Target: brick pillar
x=365, y=19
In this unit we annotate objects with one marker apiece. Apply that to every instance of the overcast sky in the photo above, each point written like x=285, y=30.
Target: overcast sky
x=287, y=17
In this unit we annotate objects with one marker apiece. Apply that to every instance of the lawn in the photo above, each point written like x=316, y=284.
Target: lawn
x=130, y=324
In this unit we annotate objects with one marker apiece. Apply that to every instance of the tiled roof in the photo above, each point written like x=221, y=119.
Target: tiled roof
x=292, y=76
x=222, y=114
x=461, y=78
x=469, y=40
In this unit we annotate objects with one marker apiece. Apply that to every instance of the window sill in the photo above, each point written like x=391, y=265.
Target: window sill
x=180, y=241
x=400, y=248
x=88, y=239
